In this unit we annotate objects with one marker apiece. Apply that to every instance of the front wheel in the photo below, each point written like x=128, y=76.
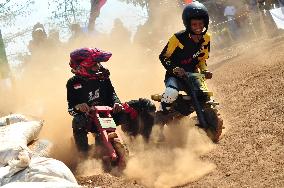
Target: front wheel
x=122, y=152
x=118, y=165
x=215, y=123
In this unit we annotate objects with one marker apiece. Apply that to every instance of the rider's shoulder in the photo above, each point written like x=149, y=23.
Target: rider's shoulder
x=75, y=79
x=207, y=36
x=181, y=34
x=178, y=37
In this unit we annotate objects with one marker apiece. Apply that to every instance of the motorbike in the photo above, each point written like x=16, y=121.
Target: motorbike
x=197, y=98
x=113, y=151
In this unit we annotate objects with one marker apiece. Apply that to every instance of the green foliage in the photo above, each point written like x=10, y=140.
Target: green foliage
x=66, y=12
x=142, y=3
x=11, y=9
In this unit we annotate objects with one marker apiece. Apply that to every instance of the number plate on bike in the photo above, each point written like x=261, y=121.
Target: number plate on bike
x=107, y=123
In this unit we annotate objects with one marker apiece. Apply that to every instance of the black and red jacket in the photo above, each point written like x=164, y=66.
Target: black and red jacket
x=181, y=51
x=90, y=91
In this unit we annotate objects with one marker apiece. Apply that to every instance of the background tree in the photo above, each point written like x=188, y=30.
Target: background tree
x=66, y=12
x=10, y=10
x=96, y=6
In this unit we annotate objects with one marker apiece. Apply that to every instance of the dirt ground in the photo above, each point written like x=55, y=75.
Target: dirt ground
x=249, y=84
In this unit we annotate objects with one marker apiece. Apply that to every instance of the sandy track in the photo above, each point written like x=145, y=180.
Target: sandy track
x=249, y=84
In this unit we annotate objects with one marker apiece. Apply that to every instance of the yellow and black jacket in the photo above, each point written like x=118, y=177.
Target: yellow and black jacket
x=182, y=51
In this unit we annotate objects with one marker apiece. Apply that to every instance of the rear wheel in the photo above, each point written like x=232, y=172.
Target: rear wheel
x=215, y=123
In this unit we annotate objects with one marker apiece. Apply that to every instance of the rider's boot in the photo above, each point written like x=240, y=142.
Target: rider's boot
x=81, y=142
x=160, y=121
x=163, y=114
x=80, y=134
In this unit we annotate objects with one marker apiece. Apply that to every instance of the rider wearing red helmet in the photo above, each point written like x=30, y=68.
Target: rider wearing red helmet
x=89, y=86
x=85, y=62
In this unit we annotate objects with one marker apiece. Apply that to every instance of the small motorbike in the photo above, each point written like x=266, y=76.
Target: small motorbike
x=113, y=151
x=199, y=99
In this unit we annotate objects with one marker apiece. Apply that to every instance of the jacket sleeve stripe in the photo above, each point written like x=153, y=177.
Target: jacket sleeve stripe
x=172, y=45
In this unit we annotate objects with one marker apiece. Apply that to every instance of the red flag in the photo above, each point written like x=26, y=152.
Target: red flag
x=96, y=6
x=101, y=3
x=187, y=1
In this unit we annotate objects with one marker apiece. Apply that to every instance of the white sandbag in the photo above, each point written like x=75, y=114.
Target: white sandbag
x=40, y=169
x=14, y=166
x=4, y=171
x=15, y=137
x=41, y=148
x=22, y=162
x=7, y=154
x=12, y=118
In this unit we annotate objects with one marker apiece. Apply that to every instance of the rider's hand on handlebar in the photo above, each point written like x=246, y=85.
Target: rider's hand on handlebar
x=117, y=107
x=180, y=72
x=83, y=107
x=208, y=74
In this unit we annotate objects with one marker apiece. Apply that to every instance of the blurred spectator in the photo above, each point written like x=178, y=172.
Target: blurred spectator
x=219, y=12
x=76, y=31
x=120, y=33
x=252, y=5
x=54, y=38
x=246, y=31
x=230, y=13
x=39, y=38
x=254, y=19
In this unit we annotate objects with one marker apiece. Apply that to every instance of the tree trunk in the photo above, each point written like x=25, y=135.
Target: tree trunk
x=95, y=12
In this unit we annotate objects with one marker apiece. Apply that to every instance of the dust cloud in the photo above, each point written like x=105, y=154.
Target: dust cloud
x=89, y=167
x=39, y=92
x=173, y=163
x=39, y=87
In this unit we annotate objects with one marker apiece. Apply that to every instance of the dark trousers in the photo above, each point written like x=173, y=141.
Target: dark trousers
x=79, y=125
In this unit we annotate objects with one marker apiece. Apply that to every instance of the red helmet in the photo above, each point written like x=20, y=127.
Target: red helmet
x=83, y=59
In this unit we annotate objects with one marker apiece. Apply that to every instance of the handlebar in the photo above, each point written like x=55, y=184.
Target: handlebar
x=195, y=75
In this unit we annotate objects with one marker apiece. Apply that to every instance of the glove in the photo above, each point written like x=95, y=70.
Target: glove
x=117, y=107
x=180, y=72
x=208, y=74
x=83, y=107
x=131, y=111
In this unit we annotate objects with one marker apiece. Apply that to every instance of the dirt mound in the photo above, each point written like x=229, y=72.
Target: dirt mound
x=250, y=88
x=249, y=84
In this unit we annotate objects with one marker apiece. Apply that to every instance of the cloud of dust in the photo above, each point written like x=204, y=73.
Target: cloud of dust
x=176, y=162
x=135, y=72
x=89, y=167
x=39, y=88
x=39, y=91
